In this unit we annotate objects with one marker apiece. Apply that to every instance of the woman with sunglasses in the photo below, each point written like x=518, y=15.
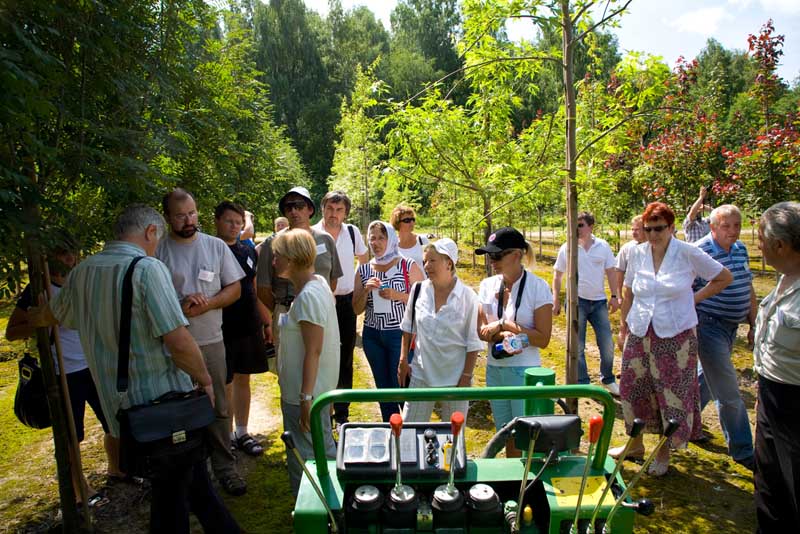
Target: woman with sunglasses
x=514, y=301
x=381, y=290
x=411, y=245
x=659, y=360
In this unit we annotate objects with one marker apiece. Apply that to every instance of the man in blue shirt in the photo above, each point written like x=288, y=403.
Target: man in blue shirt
x=718, y=320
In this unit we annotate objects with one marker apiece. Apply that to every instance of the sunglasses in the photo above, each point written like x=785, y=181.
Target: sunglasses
x=408, y=220
x=296, y=204
x=581, y=225
x=659, y=228
x=497, y=256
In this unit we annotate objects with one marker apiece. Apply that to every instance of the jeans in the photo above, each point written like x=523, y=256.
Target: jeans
x=504, y=411
x=303, y=442
x=347, y=343
x=719, y=381
x=596, y=313
x=382, y=348
x=177, y=492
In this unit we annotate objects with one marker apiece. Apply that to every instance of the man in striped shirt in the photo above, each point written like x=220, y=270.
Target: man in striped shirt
x=718, y=320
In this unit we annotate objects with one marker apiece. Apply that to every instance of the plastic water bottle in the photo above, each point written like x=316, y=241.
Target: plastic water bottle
x=513, y=344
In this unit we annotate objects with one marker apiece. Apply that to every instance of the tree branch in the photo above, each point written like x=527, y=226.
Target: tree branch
x=583, y=10
x=504, y=204
x=601, y=22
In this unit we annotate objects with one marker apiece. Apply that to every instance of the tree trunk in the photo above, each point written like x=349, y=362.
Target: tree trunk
x=487, y=231
x=572, y=202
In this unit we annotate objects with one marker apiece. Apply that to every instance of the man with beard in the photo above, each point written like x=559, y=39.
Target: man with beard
x=243, y=325
x=278, y=293
x=206, y=276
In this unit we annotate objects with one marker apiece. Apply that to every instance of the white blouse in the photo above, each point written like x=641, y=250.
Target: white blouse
x=665, y=298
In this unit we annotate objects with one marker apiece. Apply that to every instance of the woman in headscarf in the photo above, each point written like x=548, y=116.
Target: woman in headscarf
x=381, y=289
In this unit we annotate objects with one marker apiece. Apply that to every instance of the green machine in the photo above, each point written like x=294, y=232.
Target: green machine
x=395, y=478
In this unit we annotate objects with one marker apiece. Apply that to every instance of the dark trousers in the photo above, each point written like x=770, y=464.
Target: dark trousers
x=347, y=340
x=180, y=491
x=777, y=454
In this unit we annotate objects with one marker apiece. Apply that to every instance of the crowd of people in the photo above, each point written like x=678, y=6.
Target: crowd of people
x=208, y=311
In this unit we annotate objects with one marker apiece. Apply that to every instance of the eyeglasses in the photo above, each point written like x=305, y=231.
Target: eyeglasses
x=408, y=220
x=296, y=204
x=581, y=225
x=659, y=228
x=497, y=256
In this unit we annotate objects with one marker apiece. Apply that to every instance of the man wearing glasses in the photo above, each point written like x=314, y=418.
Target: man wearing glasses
x=278, y=293
x=595, y=259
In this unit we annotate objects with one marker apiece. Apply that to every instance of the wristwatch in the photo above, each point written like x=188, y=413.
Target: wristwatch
x=306, y=397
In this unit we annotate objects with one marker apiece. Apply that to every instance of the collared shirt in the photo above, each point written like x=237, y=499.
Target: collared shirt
x=536, y=294
x=776, y=353
x=445, y=337
x=90, y=302
x=347, y=249
x=624, y=255
x=204, y=265
x=732, y=303
x=592, y=265
x=665, y=298
x=326, y=265
x=696, y=229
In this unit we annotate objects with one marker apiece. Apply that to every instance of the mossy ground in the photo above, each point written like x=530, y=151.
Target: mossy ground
x=704, y=491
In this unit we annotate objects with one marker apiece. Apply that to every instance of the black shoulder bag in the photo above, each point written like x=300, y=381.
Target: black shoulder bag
x=167, y=433
x=500, y=354
x=30, y=402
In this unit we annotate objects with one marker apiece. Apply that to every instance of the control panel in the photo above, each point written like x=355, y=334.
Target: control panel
x=367, y=451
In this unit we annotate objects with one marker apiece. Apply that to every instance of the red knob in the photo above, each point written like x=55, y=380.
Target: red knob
x=396, y=420
x=456, y=422
x=595, y=426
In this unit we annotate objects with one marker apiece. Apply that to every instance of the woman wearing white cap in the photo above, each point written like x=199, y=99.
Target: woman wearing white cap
x=443, y=313
x=514, y=301
x=381, y=289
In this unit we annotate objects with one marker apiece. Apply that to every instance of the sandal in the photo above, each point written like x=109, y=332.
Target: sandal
x=633, y=454
x=233, y=485
x=249, y=445
x=96, y=501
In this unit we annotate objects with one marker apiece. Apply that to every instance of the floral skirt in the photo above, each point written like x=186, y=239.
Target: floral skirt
x=659, y=382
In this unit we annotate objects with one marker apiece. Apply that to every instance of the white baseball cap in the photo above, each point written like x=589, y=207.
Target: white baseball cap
x=447, y=247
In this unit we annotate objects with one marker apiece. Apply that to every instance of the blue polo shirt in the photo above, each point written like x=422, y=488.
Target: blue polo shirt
x=732, y=303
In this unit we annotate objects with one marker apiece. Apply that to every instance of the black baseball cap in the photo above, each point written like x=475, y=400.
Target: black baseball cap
x=503, y=239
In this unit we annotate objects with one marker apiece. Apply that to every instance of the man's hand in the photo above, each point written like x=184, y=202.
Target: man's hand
x=194, y=305
x=209, y=389
x=305, y=416
x=403, y=372
x=613, y=304
x=703, y=193
x=41, y=316
x=556, y=305
x=268, y=334
x=751, y=338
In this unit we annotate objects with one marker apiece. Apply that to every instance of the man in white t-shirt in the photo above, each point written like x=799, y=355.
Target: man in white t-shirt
x=595, y=259
x=637, y=232
x=349, y=246
x=206, y=276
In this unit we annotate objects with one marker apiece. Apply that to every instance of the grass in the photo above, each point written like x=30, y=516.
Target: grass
x=704, y=493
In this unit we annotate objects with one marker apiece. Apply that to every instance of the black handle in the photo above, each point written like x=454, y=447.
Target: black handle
x=672, y=427
x=288, y=439
x=636, y=427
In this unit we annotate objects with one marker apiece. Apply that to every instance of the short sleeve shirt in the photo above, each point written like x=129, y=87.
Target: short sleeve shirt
x=665, y=298
x=592, y=265
x=416, y=252
x=776, y=352
x=347, y=249
x=204, y=265
x=624, y=254
x=445, y=337
x=732, y=303
x=315, y=304
x=535, y=295
x=241, y=318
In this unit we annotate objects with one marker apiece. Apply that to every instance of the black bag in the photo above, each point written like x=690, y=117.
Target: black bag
x=501, y=354
x=30, y=402
x=166, y=433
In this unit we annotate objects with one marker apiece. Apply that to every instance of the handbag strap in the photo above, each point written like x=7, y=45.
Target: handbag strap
x=125, y=327
x=519, y=296
x=414, y=298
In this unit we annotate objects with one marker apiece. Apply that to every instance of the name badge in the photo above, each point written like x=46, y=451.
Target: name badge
x=206, y=276
x=321, y=249
x=250, y=262
x=283, y=319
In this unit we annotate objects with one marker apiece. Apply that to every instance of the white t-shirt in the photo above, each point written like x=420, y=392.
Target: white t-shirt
x=445, y=337
x=666, y=298
x=624, y=255
x=592, y=267
x=314, y=304
x=204, y=265
x=416, y=252
x=536, y=294
x=347, y=255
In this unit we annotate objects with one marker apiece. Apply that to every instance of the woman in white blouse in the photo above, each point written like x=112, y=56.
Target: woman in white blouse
x=512, y=302
x=444, y=317
x=410, y=244
x=659, y=361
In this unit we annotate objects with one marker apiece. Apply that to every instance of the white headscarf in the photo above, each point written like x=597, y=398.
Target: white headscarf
x=392, y=243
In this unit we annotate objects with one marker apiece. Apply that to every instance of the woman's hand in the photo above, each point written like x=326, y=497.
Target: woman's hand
x=489, y=330
x=305, y=416
x=403, y=372
x=372, y=284
x=389, y=293
x=623, y=335
x=464, y=381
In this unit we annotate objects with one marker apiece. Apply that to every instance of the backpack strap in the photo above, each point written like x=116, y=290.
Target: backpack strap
x=125, y=327
x=414, y=297
x=419, y=239
x=352, y=237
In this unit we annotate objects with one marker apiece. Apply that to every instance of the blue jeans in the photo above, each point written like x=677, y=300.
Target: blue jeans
x=504, y=411
x=382, y=348
x=719, y=381
x=596, y=313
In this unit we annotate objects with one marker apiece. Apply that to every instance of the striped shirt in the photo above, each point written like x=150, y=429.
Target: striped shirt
x=383, y=314
x=732, y=303
x=90, y=302
x=697, y=229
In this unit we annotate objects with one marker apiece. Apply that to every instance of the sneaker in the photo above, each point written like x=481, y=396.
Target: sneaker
x=233, y=484
x=249, y=445
x=612, y=388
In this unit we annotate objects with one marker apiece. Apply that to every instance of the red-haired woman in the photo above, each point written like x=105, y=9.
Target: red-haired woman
x=659, y=362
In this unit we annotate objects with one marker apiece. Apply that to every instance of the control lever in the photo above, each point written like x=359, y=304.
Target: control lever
x=595, y=426
x=533, y=434
x=396, y=421
x=288, y=439
x=456, y=422
x=642, y=506
x=672, y=427
x=636, y=429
